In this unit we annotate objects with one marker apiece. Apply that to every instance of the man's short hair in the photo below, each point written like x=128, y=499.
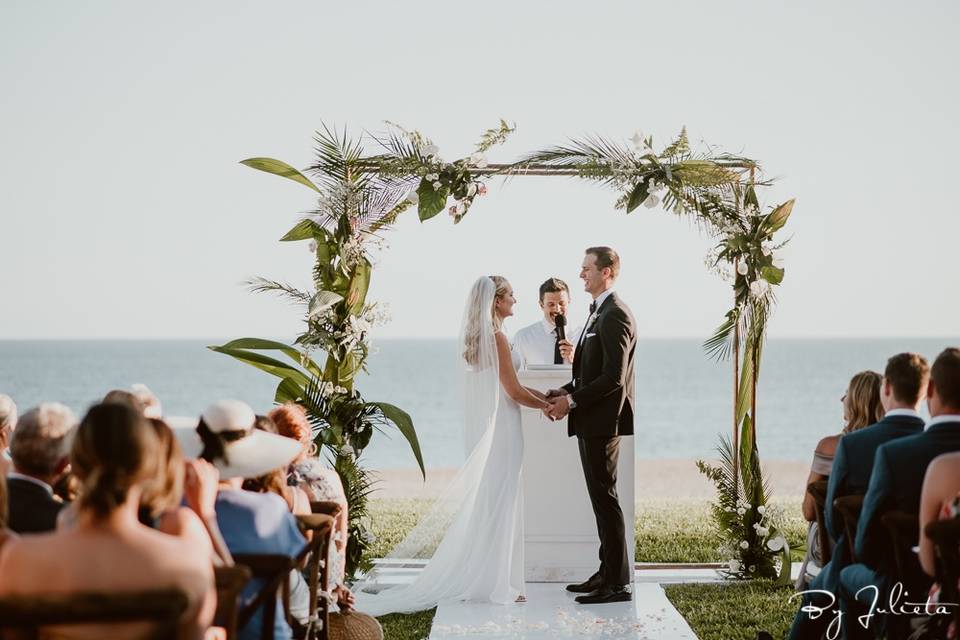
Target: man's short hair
x=42, y=439
x=606, y=257
x=907, y=374
x=945, y=375
x=553, y=285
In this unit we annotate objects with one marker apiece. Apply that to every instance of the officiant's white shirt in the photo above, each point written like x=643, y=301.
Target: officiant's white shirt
x=535, y=343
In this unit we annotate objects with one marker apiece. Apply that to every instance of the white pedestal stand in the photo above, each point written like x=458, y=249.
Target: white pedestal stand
x=560, y=530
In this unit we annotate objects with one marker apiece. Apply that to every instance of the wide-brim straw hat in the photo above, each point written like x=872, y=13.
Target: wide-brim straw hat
x=254, y=454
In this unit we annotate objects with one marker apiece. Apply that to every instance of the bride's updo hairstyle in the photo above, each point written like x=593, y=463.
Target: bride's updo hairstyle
x=114, y=449
x=472, y=331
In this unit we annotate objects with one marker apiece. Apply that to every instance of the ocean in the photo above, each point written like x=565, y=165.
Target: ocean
x=684, y=399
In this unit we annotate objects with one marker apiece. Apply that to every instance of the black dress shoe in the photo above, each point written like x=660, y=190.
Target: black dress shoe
x=593, y=583
x=603, y=595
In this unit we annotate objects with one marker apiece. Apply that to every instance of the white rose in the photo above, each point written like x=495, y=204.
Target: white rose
x=413, y=198
x=744, y=544
x=437, y=184
x=743, y=268
x=431, y=150
x=776, y=544
x=312, y=246
x=651, y=201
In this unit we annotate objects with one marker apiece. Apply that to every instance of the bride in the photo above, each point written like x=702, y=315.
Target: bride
x=472, y=535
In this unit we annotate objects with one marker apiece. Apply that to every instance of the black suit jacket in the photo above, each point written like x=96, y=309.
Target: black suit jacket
x=32, y=508
x=603, y=380
x=895, y=484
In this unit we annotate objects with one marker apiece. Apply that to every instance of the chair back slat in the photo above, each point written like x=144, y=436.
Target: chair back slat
x=274, y=570
x=230, y=582
x=849, y=508
x=818, y=490
x=318, y=575
x=904, y=531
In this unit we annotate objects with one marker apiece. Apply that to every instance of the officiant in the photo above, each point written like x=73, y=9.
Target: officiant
x=539, y=342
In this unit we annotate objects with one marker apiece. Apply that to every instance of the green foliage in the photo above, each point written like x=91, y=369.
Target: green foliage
x=279, y=168
x=407, y=626
x=495, y=136
x=735, y=611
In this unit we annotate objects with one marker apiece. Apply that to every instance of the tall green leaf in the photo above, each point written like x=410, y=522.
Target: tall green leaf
x=359, y=284
x=279, y=168
x=637, y=196
x=260, y=344
x=404, y=423
x=431, y=201
x=264, y=363
x=303, y=230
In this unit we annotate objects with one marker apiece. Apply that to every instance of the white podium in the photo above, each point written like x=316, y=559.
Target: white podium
x=560, y=530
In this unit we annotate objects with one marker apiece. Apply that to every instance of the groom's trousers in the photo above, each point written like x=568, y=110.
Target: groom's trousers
x=599, y=457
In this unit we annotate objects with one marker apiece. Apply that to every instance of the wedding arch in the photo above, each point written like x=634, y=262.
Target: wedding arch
x=359, y=194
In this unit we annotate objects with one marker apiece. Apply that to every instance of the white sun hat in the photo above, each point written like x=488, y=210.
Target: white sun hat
x=247, y=452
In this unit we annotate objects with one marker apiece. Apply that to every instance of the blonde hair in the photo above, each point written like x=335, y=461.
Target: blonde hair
x=863, y=405
x=166, y=490
x=471, y=338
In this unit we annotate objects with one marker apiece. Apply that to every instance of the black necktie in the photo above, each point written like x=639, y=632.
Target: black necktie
x=557, y=358
x=593, y=307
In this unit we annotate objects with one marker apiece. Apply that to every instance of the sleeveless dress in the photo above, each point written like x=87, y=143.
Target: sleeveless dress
x=480, y=556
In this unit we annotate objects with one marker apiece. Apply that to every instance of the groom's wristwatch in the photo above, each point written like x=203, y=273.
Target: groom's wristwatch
x=570, y=401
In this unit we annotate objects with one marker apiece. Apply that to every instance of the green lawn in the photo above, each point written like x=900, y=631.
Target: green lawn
x=666, y=531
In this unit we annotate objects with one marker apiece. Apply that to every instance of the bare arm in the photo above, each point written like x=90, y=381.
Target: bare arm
x=809, y=509
x=508, y=378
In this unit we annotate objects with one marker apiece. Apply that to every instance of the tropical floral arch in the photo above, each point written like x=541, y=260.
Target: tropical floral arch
x=359, y=194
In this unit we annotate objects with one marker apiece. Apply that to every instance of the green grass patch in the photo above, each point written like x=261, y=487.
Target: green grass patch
x=734, y=610
x=407, y=626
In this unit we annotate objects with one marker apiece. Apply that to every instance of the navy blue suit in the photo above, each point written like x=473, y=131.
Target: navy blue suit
x=896, y=482
x=850, y=475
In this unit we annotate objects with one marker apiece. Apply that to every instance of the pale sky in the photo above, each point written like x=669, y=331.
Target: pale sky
x=124, y=211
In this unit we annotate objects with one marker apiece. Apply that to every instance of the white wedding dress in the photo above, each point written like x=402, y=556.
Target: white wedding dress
x=476, y=525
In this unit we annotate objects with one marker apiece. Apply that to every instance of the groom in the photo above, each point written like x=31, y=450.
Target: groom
x=600, y=402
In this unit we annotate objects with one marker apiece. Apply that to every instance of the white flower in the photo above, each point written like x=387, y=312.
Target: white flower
x=651, y=201
x=761, y=509
x=752, y=568
x=743, y=268
x=637, y=139
x=759, y=288
x=778, y=262
x=741, y=511
x=437, y=184
x=346, y=450
x=734, y=566
x=432, y=177
x=312, y=246
x=744, y=544
x=762, y=532
x=471, y=190
x=776, y=544
x=478, y=160
x=431, y=150
x=413, y=197
x=461, y=208
x=765, y=250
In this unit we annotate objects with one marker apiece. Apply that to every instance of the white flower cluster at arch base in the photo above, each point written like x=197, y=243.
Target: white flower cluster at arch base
x=767, y=529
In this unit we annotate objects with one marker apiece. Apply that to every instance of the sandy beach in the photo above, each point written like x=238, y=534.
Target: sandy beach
x=656, y=480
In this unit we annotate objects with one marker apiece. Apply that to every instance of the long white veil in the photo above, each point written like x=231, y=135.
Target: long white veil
x=449, y=529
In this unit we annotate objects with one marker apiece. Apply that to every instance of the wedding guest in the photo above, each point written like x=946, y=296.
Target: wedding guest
x=939, y=499
x=895, y=484
x=900, y=390
x=538, y=343
x=258, y=523
x=8, y=421
x=5, y=533
x=108, y=551
x=861, y=407
x=39, y=451
x=321, y=483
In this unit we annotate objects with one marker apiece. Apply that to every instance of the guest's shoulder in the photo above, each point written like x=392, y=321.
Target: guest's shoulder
x=828, y=445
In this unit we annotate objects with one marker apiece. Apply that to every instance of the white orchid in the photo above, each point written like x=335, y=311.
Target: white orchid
x=471, y=189
x=431, y=150
x=743, y=268
x=776, y=544
x=637, y=139
x=765, y=250
x=651, y=201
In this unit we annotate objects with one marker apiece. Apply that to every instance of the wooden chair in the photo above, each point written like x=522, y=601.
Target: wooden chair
x=849, y=508
x=945, y=535
x=273, y=570
x=318, y=575
x=325, y=507
x=230, y=582
x=162, y=607
x=818, y=490
x=904, y=531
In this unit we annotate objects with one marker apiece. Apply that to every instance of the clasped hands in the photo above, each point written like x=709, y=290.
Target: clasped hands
x=557, y=405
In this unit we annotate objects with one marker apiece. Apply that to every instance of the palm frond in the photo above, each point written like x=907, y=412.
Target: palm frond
x=263, y=285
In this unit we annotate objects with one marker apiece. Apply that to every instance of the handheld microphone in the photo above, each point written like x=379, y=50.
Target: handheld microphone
x=561, y=322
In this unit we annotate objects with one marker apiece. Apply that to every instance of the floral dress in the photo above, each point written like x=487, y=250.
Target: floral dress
x=323, y=483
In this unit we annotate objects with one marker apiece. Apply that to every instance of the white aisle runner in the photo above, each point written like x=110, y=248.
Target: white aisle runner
x=550, y=612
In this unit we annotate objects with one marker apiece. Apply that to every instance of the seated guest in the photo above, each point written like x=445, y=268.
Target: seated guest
x=861, y=407
x=5, y=534
x=40, y=456
x=108, y=551
x=251, y=523
x=539, y=343
x=8, y=421
x=939, y=500
x=321, y=483
x=900, y=392
x=895, y=484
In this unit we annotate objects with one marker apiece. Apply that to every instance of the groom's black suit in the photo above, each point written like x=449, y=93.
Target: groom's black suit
x=602, y=391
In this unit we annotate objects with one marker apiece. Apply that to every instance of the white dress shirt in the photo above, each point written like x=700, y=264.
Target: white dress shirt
x=535, y=343
x=943, y=417
x=902, y=412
